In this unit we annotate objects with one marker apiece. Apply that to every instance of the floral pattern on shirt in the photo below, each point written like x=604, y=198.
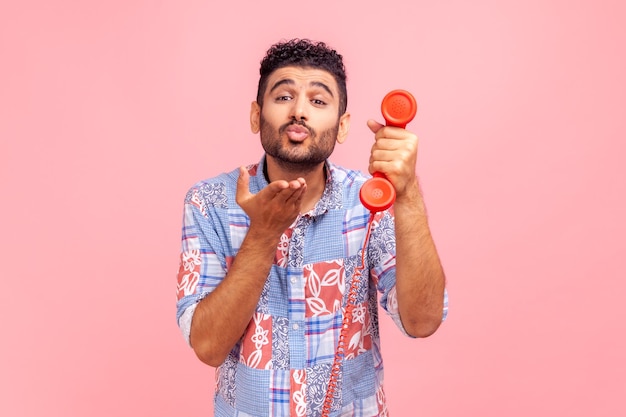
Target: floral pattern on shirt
x=317, y=381
x=188, y=273
x=359, y=334
x=256, y=348
x=280, y=343
x=324, y=287
x=297, y=403
x=282, y=250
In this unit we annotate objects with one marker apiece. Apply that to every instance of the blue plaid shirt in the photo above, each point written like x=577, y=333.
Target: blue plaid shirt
x=281, y=365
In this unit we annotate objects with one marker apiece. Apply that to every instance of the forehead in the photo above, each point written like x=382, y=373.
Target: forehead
x=302, y=77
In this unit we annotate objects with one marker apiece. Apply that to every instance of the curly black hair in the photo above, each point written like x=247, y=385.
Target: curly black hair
x=304, y=53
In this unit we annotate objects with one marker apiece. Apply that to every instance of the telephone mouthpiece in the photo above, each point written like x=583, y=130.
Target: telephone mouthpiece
x=399, y=108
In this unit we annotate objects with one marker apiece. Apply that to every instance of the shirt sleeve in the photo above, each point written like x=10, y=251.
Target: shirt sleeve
x=202, y=261
x=382, y=258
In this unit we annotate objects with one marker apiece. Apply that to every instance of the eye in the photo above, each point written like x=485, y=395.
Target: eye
x=283, y=98
x=318, y=102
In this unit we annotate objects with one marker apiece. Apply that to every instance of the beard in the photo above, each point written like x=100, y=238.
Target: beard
x=298, y=157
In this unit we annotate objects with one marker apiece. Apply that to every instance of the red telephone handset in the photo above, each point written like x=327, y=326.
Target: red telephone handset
x=377, y=194
x=399, y=108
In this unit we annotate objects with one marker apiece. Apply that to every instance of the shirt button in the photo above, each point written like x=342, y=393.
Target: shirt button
x=295, y=326
x=293, y=280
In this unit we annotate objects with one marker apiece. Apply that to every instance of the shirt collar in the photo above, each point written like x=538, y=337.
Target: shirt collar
x=331, y=197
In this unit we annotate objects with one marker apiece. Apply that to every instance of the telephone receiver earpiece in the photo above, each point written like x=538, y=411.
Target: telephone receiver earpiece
x=399, y=108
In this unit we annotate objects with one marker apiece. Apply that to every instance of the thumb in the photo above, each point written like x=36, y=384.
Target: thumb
x=374, y=125
x=243, y=185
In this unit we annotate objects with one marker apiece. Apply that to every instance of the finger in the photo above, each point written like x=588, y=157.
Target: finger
x=297, y=195
x=274, y=188
x=243, y=185
x=297, y=184
x=294, y=192
x=374, y=125
x=386, y=144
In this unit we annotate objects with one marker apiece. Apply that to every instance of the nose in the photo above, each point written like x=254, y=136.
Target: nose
x=298, y=111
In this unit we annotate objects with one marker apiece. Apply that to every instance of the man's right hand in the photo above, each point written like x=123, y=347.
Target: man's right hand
x=221, y=318
x=274, y=208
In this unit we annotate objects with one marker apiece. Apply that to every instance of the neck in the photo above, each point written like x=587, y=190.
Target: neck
x=314, y=177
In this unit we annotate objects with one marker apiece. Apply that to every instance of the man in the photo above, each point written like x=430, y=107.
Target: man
x=270, y=251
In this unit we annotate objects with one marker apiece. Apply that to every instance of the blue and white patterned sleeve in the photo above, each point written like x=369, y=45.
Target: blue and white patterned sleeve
x=202, y=263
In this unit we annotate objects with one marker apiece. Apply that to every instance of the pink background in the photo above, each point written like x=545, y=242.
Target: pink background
x=109, y=111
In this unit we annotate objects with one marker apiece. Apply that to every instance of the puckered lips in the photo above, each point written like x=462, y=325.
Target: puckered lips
x=297, y=133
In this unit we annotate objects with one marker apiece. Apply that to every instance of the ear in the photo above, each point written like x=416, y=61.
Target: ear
x=344, y=127
x=255, y=117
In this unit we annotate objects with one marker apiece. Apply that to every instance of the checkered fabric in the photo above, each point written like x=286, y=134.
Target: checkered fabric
x=281, y=365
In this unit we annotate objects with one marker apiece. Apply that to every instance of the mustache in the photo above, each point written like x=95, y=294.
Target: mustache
x=297, y=122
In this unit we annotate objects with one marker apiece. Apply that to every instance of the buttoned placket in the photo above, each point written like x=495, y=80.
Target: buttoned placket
x=297, y=301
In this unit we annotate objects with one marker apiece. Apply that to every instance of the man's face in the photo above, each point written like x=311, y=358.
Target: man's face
x=299, y=121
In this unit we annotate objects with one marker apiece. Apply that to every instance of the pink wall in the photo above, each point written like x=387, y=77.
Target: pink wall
x=109, y=111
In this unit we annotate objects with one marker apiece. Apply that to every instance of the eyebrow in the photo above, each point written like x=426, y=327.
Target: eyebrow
x=289, y=81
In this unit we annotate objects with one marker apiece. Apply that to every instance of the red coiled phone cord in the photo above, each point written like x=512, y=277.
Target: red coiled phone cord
x=347, y=320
